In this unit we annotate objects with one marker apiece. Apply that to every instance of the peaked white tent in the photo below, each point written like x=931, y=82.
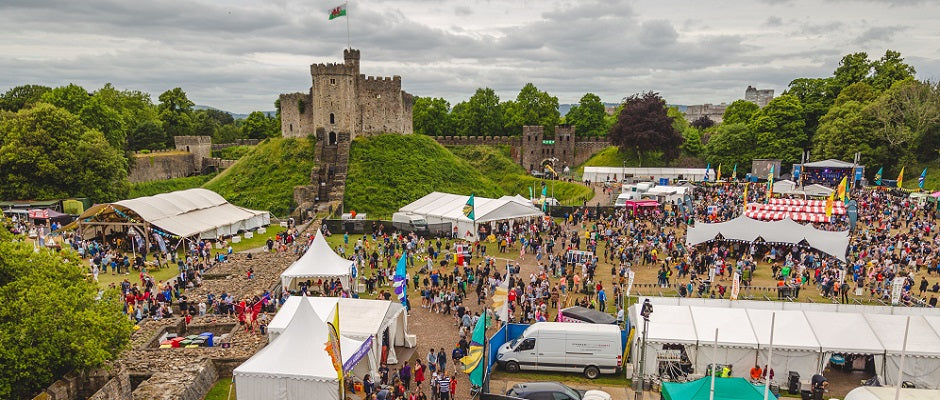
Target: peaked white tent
x=437, y=208
x=669, y=325
x=737, y=344
x=794, y=349
x=319, y=261
x=186, y=213
x=784, y=231
x=847, y=333
x=922, y=362
x=359, y=319
x=294, y=366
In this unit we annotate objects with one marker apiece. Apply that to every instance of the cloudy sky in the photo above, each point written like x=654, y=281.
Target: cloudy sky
x=238, y=55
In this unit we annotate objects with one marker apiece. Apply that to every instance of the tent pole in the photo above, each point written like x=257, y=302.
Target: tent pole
x=897, y=390
x=711, y=392
x=770, y=356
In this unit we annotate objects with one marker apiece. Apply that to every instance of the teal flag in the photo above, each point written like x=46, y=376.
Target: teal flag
x=878, y=176
x=468, y=209
x=708, y=167
x=531, y=192
x=544, y=190
x=473, y=362
x=923, y=176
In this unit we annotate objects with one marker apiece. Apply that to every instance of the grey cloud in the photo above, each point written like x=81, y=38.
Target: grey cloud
x=816, y=29
x=773, y=21
x=658, y=33
x=463, y=11
x=877, y=34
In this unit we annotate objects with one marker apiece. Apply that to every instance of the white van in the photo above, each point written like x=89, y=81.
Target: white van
x=591, y=349
x=409, y=222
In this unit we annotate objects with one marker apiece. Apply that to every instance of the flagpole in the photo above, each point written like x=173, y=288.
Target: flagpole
x=346, y=6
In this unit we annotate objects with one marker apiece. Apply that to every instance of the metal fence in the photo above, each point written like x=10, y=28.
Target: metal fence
x=367, y=226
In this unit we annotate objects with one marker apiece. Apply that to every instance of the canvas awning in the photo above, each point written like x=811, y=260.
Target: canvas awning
x=185, y=213
x=318, y=262
x=725, y=389
x=747, y=229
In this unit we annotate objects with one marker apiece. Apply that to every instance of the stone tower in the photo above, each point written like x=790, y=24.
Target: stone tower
x=343, y=100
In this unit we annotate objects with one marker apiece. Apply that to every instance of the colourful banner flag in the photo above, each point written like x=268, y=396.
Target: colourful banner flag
x=468, y=209
x=734, y=173
x=339, y=11
x=746, y=184
x=333, y=347
x=829, y=201
x=901, y=177
x=400, y=280
x=878, y=176
x=472, y=363
x=501, y=300
x=842, y=190
x=770, y=182
x=708, y=167
x=718, y=174
x=923, y=176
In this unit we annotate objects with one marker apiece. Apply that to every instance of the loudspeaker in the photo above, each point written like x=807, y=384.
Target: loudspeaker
x=793, y=382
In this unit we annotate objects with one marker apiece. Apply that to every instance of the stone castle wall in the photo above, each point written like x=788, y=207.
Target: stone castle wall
x=199, y=146
x=161, y=165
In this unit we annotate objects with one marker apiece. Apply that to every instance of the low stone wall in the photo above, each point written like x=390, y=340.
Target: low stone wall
x=183, y=382
x=158, y=166
x=118, y=388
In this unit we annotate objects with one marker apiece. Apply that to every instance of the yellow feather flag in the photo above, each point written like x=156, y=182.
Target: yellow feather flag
x=718, y=175
x=829, y=201
x=333, y=347
x=841, y=189
x=745, y=195
x=901, y=177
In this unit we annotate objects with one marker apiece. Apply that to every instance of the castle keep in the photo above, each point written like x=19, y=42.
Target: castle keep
x=343, y=100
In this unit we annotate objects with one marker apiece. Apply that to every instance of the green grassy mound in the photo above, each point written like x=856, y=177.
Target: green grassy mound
x=389, y=171
x=264, y=178
x=167, y=185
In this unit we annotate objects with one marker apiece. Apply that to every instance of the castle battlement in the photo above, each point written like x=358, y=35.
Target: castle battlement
x=363, y=104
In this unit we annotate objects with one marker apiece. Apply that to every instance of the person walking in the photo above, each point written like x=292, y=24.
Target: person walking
x=442, y=362
x=443, y=387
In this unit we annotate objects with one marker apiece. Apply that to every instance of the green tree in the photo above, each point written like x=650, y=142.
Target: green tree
x=908, y=119
x=483, y=114
x=532, y=107
x=204, y=124
x=52, y=321
x=890, y=69
x=431, y=116
x=816, y=95
x=227, y=134
x=692, y=142
x=175, y=113
x=588, y=116
x=71, y=97
x=47, y=153
x=731, y=144
x=740, y=111
x=95, y=114
x=852, y=68
x=847, y=129
x=779, y=128
x=22, y=96
x=147, y=135
x=643, y=126
x=259, y=126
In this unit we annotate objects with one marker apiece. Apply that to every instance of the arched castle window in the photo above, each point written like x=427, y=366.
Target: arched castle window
x=332, y=138
x=291, y=127
x=332, y=118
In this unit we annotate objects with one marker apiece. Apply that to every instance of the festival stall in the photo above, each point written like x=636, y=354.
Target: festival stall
x=794, y=349
x=671, y=342
x=845, y=334
x=318, y=262
x=437, y=208
x=193, y=213
x=360, y=319
x=746, y=229
x=293, y=366
x=736, y=342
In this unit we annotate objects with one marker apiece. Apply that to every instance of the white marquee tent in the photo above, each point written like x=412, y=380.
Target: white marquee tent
x=318, y=262
x=293, y=366
x=359, y=319
x=805, y=336
x=784, y=231
x=601, y=174
x=186, y=213
x=437, y=207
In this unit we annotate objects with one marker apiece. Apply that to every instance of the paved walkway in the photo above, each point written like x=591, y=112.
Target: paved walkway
x=616, y=392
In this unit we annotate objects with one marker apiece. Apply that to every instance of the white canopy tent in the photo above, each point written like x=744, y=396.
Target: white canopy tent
x=669, y=325
x=794, y=349
x=601, y=174
x=846, y=333
x=737, y=344
x=186, y=213
x=358, y=319
x=922, y=362
x=888, y=393
x=319, y=261
x=784, y=231
x=292, y=367
x=437, y=207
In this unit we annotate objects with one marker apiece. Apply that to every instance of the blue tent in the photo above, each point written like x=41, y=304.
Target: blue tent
x=725, y=389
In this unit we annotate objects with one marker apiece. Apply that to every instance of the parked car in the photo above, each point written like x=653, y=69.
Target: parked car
x=553, y=391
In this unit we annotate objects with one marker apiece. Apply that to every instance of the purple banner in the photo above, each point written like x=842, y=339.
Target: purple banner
x=358, y=355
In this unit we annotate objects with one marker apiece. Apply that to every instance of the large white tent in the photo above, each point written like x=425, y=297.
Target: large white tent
x=359, y=319
x=747, y=229
x=292, y=367
x=669, y=325
x=601, y=174
x=922, y=362
x=437, y=208
x=196, y=212
x=794, y=350
x=318, y=262
x=737, y=347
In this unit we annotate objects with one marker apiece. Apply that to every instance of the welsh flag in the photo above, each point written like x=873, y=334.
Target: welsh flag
x=337, y=12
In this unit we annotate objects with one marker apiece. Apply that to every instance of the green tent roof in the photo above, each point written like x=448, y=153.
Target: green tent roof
x=725, y=389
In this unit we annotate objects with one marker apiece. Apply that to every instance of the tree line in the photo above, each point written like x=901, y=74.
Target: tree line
x=66, y=141
x=483, y=114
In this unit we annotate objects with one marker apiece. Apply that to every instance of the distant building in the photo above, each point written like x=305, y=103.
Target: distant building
x=761, y=97
x=714, y=112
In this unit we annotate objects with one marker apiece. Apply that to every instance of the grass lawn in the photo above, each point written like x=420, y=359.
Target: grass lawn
x=158, y=275
x=567, y=377
x=219, y=391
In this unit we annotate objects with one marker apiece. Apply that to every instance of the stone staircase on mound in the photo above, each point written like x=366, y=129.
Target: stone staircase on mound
x=328, y=178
